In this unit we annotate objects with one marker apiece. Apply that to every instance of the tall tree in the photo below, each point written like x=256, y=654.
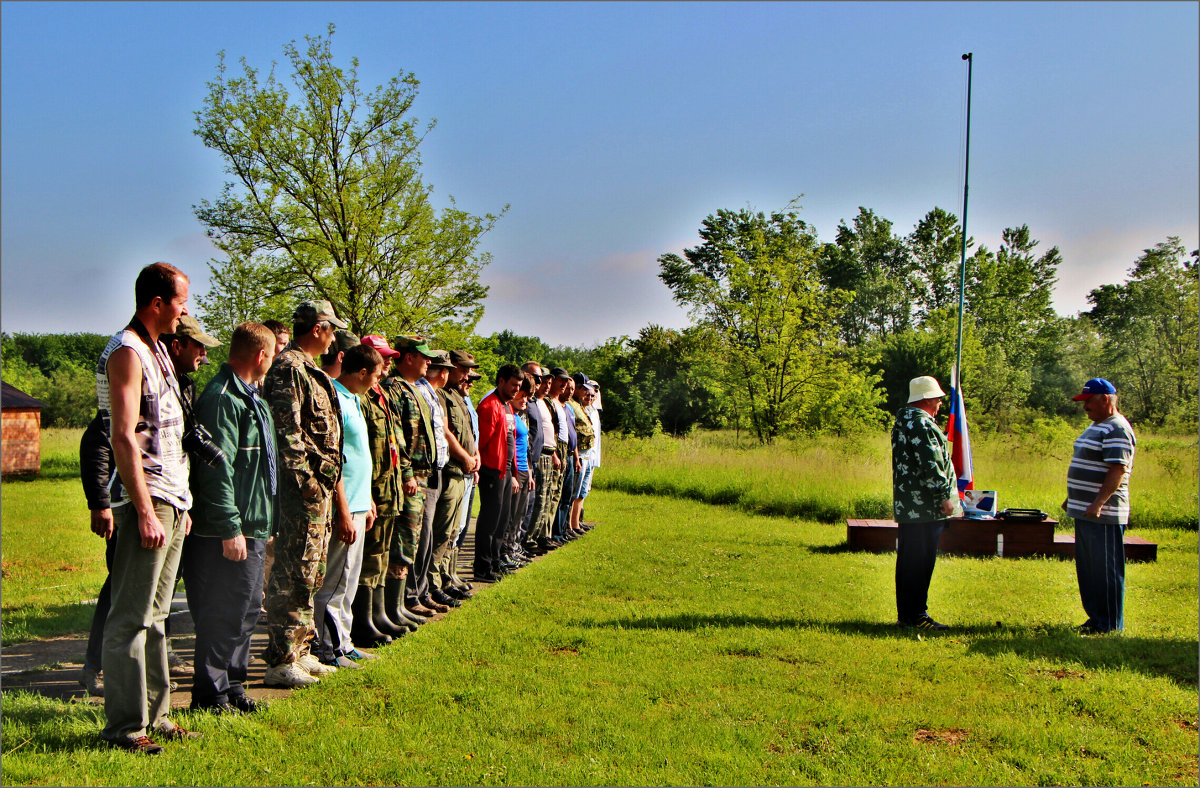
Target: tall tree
x=869, y=260
x=327, y=201
x=935, y=246
x=754, y=281
x=1149, y=325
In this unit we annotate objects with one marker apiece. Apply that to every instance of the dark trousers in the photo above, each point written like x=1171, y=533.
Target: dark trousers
x=494, y=495
x=417, y=584
x=916, y=553
x=1100, y=567
x=562, y=518
x=225, y=598
x=103, y=602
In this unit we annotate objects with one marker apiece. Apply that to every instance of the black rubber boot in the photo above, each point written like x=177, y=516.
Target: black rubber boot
x=362, y=629
x=381, y=619
x=393, y=604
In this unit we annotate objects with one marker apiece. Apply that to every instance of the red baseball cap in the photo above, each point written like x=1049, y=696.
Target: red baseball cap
x=380, y=344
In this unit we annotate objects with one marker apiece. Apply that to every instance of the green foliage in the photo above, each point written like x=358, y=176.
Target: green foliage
x=328, y=201
x=59, y=370
x=1149, y=325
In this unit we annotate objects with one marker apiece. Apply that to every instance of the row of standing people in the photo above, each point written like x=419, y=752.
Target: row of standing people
x=364, y=477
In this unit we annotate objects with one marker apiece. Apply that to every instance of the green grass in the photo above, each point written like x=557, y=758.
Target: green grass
x=830, y=479
x=682, y=643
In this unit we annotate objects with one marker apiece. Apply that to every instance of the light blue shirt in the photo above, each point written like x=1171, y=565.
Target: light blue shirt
x=356, y=452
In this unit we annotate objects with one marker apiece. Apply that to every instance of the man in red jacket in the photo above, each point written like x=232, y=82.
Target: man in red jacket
x=497, y=473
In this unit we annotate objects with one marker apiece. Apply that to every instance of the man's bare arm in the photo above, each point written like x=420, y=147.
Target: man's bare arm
x=125, y=389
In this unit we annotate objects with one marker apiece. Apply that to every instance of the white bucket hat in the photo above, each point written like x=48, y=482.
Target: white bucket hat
x=924, y=387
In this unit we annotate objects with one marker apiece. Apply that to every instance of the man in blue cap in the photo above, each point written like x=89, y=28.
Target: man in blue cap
x=1098, y=499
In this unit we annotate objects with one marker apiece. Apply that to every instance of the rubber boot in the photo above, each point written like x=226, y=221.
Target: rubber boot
x=458, y=581
x=380, y=618
x=362, y=629
x=393, y=604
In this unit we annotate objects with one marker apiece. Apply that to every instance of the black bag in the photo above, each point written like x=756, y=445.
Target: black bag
x=1023, y=515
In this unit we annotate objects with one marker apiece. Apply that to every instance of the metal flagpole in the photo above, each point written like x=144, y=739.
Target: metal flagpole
x=962, y=266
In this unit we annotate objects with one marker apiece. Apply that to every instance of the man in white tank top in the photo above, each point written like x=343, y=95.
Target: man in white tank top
x=139, y=401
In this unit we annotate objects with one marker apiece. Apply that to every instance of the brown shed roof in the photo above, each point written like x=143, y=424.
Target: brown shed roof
x=13, y=397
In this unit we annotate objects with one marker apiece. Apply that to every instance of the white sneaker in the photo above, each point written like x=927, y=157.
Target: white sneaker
x=289, y=674
x=315, y=666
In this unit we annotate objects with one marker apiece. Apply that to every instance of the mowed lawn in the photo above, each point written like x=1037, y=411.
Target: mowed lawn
x=685, y=643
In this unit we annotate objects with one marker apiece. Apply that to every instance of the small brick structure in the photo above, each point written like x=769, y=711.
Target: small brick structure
x=22, y=432
x=1003, y=538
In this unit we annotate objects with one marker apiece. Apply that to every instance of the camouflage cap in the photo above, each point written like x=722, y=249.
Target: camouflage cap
x=190, y=327
x=317, y=312
x=442, y=360
x=462, y=358
x=413, y=344
x=344, y=340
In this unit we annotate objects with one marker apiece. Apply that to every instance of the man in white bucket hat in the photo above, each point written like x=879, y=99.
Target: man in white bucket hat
x=923, y=496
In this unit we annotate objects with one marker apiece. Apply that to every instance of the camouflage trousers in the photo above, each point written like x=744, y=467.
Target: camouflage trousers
x=445, y=529
x=406, y=533
x=300, y=549
x=376, y=544
x=554, y=487
x=546, y=478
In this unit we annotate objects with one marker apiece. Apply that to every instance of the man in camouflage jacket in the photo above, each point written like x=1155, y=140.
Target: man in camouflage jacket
x=923, y=496
x=308, y=431
x=415, y=463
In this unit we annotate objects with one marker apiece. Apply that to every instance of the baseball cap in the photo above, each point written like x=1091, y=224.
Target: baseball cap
x=462, y=358
x=316, y=312
x=442, y=359
x=413, y=344
x=559, y=372
x=1095, y=386
x=473, y=375
x=189, y=327
x=344, y=340
x=380, y=344
x=580, y=379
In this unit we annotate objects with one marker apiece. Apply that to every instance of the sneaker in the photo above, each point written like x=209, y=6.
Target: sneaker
x=315, y=666
x=924, y=622
x=289, y=674
x=361, y=656
x=90, y=680
x=172, y=732
x=344, y=661
x=142, y=745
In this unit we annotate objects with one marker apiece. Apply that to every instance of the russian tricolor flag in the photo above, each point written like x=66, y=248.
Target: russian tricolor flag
x=960, y=440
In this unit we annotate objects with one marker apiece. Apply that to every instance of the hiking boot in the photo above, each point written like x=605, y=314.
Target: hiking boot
x=90, y=680
x=142, y=745
x=315, y=666
x=289, y=675
x=245, y=704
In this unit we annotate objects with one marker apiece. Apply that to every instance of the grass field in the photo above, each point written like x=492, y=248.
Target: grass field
x=685, y=643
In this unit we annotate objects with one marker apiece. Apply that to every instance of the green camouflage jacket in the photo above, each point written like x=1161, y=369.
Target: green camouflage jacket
x=308, y=422
x=922, y=473
x=416, y=428
x=459, y=422
x=384, y=438
x=583, y=426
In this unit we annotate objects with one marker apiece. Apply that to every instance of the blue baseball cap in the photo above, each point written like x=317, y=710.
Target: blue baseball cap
x=1095, y=386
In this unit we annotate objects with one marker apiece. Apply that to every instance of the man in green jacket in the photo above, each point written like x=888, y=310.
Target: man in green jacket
x=923, y=496
x=233, y=515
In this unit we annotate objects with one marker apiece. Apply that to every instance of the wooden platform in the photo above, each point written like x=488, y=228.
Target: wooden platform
x=1002, y=538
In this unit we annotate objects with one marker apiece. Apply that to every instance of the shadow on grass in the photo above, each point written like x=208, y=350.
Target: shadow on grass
x=1173, y=658
x=28, y=622
x=50, y=725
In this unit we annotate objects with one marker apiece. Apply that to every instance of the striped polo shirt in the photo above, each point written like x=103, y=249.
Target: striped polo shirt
x=1101, y=444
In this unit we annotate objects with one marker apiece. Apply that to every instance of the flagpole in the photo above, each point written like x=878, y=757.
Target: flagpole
x=962, y=266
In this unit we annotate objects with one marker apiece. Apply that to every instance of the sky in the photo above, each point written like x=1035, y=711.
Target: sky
x=612, y=130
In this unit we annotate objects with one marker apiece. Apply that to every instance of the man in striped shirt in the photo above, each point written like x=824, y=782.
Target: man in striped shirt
x=1098, y=499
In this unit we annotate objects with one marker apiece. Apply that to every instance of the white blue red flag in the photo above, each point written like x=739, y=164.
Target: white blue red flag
x=960, y=440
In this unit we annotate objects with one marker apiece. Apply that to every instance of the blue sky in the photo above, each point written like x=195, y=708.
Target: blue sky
x=612, y=130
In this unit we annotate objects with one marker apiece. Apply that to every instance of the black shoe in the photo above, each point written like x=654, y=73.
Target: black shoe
x=214, y=708
x=245, y=704
x=443, y=598
x=142, y=745
x=1089, y=628
x=924, y=622
x=457, y=593
x=487, y=577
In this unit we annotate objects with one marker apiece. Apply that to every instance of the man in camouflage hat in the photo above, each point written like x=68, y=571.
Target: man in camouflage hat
x=462, y=465
x=188, y=349
x=308, y=431
x=417, y=457
x=422, y=588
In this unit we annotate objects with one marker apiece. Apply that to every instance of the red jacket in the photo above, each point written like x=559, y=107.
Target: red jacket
x=494, y=417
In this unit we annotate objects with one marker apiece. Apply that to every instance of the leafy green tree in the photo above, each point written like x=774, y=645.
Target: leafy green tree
x=935, y=248
x=1149, y=326
x=513, y=348
x=754, y=281
x=870, y=261
x=327, y=200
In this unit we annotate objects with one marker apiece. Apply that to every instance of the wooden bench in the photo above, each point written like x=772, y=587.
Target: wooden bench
x=1004, y=538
